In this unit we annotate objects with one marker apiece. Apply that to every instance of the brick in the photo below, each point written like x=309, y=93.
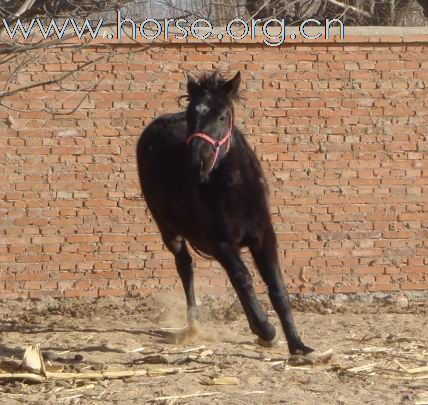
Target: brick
x=112, y=292
x=26, y=276
x=348, y=289
x=414, y=286
x=384, y=287
x=78, y=293
x=83, y=238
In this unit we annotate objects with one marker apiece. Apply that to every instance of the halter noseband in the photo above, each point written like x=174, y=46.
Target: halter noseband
x=214, y=143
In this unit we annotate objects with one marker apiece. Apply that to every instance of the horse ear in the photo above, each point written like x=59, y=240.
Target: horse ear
x=192, y=85
x=231, y=87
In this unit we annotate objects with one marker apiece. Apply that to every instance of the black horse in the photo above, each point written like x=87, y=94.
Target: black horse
x=203, y=183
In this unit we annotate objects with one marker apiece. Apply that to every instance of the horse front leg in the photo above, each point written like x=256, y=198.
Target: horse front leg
x=239, y=276
x=266, y=259
x=184, y=265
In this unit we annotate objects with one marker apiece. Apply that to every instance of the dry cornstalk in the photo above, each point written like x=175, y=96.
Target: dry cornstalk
x=421, y=399
x=181, y=351
x=85, y=387
x=417, y=370
x=89, y=376
x=400, y=365
x=22, y=376
x=140, y=349
x=366, y=367
x=197, y=394
x=416, y=377
x=33, y=360
x=221, y=380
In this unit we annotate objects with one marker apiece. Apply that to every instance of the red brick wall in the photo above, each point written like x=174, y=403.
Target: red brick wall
x=341, y=129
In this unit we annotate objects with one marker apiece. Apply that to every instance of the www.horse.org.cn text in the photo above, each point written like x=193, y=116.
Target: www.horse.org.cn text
x=272, y=32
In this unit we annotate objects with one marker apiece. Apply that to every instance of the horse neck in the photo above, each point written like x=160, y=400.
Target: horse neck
x=238, y=154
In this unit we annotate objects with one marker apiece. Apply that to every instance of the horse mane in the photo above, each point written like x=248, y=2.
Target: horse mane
x=212, y=83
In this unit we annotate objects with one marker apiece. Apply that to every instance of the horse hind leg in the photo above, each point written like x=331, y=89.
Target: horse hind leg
x=266, y=259
x=240, y=278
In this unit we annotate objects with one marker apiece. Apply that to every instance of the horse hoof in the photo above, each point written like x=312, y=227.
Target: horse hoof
x=193, y=316
x=314, y=357
x=267, y=343
x=187, y=335
x=321, y=357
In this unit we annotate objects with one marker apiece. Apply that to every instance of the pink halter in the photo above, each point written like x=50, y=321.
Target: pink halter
x=215, y=144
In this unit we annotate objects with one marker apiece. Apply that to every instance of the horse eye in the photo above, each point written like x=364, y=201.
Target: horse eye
x=221, y=118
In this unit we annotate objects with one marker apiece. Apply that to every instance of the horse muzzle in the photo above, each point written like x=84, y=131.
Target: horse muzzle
x=203, y=166
x=198, y=172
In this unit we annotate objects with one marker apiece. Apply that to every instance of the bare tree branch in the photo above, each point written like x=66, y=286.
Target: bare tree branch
x=51, y=81
x=25, y=7
x=349, y=7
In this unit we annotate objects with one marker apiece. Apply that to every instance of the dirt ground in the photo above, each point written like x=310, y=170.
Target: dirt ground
x=378, y=342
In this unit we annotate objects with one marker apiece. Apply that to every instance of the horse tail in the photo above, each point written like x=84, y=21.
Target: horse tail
x=199, y=252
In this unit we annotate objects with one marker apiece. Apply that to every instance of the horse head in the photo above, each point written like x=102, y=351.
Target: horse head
x=209, y=118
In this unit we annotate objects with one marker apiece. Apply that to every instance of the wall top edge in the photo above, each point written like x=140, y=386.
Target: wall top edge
x=370, y=35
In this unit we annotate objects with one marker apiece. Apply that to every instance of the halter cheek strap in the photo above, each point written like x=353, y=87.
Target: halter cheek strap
x=214, y=143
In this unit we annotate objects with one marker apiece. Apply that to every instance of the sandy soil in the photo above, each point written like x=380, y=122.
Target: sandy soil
x=389, y=335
